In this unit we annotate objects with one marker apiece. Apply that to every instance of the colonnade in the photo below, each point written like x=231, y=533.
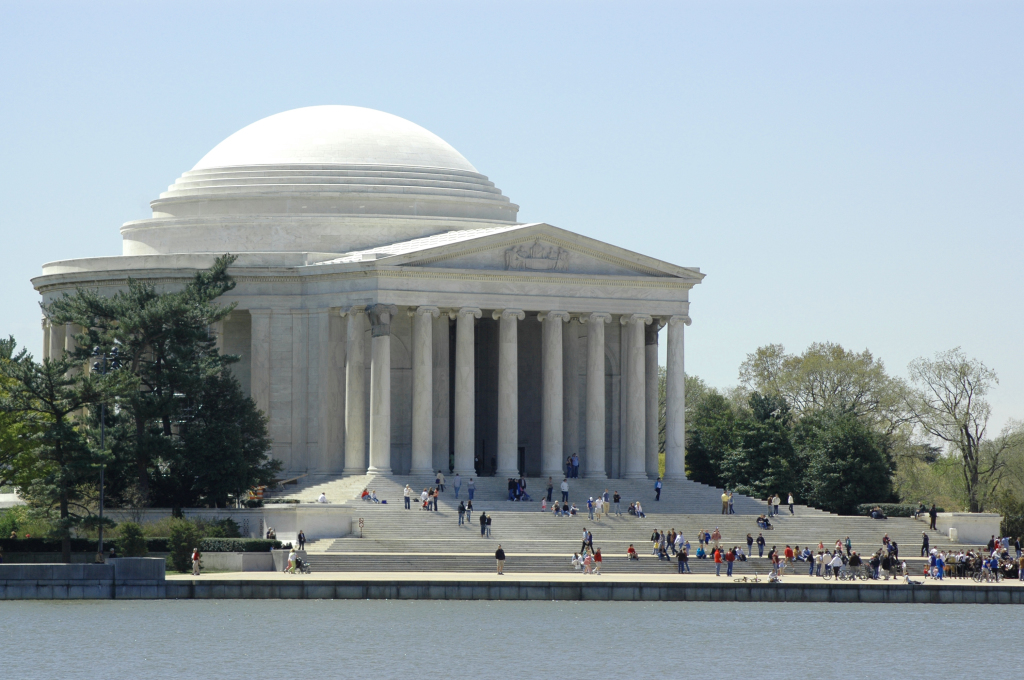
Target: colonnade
x=639, y=373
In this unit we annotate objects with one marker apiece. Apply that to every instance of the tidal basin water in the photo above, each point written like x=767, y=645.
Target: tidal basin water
x=421, y=639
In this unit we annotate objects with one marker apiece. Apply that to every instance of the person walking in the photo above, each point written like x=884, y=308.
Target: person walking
x=924, y=544
x=718, y=561
x=730, y=557
x=488, y=527
x=483, y=524
x=440, y=481
x=616, y=498
x=196, y=559
x=302, y=540
x=770, y=515
x=407, y=493
x=597, y=561
x=933, y=515
x=469, y=510
x=657, y=489
x=499, y=557
x=583, y=546
x=607, y=502
x=565, y=490
x=848, y=544
x=716, y=536
x=791, y=503
x=725, y=502
x=590, y=508
x=550, y=489
x=732, y=510
x=775, y=502
x=760, y=545
x=457, y=483
x=471, y=488
x=437, y=492
x=750, y=545
x=462, y=512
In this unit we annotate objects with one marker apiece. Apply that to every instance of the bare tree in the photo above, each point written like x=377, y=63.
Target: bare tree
x=948, y=404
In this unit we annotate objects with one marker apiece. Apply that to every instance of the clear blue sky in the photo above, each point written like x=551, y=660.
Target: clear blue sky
x=841, y=171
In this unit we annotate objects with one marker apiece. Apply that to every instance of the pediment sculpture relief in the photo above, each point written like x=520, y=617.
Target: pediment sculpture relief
x=537, y=257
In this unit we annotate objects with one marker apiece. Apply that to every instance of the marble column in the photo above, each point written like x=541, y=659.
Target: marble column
x=259, y=364
x=675, y=401
x=551, y=401
x=651, y=398
x=331, y=384
x=636, y=438
x=46, y=338
x=380, y=387
x=595, y=455
x=56, y=341
x=355, y=395
x=508, y=391
x=571, y=389
x=442, y=392
x=422, y=389
x=465, y=391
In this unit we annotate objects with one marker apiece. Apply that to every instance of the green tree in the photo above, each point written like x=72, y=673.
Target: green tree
x=827, y=376
x=710, y=434
x=847, y=462
x=763, y=460
x=57, y=468
x=223, y=451
x=164, y=340
x=949, y=406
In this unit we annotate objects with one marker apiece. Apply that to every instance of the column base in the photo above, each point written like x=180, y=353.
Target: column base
x=348, y=472
x=506, y=473
x=674, y=477
x=424, y=472
x=379, y=471
x=635, y=475
x=595, y=475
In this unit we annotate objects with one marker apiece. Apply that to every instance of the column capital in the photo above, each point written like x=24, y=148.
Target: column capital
x=563, y=316
x=465, y=311
x=635, y=318
x=679, y=318
x=498, y=314
x=352, y=309
x=424, y=310
x=380, y=318
x=596, y=317
x=651, y=333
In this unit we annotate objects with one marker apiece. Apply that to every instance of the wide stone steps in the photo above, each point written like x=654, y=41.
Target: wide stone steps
x=492, y=493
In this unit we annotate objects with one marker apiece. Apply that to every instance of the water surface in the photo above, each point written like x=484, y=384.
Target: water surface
x=422, y=639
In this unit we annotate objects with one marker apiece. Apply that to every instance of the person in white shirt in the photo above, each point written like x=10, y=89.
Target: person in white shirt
x=565, y=490
x=836, y=563
x=423, y=499
x=407, y=492
x=291, y=562
x=322, y=499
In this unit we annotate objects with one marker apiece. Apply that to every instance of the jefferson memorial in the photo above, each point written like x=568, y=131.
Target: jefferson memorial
x=394, y=317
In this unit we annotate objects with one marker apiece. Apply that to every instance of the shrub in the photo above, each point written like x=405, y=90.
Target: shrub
x=132, y=543
x=158, y=544
x=214, y=544
x=218, y=528
x=184, y=536
x=890, y=509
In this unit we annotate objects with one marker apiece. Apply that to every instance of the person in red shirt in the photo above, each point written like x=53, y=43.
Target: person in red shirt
x=631, y=553
x=789, y=554
x=718, y=561
x=730, y=557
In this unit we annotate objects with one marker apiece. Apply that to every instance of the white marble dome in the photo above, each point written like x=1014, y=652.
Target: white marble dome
x=328, y=179
x=345, y=135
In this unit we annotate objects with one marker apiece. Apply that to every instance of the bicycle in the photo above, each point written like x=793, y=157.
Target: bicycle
x=744, y=579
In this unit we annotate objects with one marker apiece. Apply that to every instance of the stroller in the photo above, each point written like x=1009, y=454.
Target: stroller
x=301, y=566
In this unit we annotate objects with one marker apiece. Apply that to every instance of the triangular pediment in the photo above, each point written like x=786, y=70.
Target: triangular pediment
x=541, y=249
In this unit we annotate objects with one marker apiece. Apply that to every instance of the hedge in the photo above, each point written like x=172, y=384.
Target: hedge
x=45, y=545
x=890, y=509
x=154, y=545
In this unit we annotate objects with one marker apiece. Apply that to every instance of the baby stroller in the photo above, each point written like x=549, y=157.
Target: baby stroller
x=301, y=566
